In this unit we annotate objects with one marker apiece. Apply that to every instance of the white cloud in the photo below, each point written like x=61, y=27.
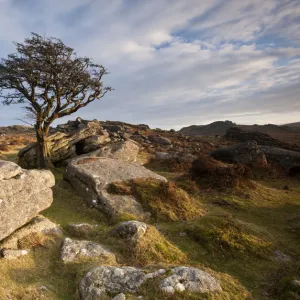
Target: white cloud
x=175, y=62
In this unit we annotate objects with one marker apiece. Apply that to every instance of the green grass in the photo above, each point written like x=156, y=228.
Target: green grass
x=235, y=241
x=152, y=248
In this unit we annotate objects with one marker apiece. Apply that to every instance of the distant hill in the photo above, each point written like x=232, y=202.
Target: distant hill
x=16, y=129
x=297, y=124
x=215, y=128
x=289, y=133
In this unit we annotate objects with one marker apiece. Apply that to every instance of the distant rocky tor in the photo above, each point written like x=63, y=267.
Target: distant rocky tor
x=80, y=137
x=113, y=140
x=262, y=139
x=16, y=129
x=288, y=133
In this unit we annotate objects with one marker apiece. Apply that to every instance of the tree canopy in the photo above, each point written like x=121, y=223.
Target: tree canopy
x=50, y=80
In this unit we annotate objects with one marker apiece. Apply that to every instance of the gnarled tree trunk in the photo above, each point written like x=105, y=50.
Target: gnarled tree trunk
x=42, y=151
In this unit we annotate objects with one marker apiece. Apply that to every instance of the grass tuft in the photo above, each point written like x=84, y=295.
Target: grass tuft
x=227, y=235
x=152, y=248
x=164, y=200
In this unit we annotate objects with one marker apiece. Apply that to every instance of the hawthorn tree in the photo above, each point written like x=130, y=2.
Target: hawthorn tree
x=52, y=81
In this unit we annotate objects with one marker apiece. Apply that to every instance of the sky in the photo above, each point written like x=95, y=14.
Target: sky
x=174, y=63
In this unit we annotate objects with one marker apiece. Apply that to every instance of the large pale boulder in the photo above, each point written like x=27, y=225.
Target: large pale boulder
x=103, y=280
x=91, y=176
x=23, y=194
x=126, y=151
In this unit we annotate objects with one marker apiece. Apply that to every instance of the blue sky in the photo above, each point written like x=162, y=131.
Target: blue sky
x=174, y=62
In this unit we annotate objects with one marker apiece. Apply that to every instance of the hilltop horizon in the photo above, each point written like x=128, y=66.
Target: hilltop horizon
x=173, y=63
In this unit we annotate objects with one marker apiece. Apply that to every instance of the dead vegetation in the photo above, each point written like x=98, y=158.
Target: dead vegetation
x=164, y=200
x=15, y=142
x=35, y=240
x=212, y=173
x=230, y=237
x=152, y=248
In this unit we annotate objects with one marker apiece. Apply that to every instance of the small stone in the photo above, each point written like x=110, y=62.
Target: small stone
x=119, y=297
x=74, y=250
x=179, y=287
x=13, y=254
x=43, y=288
x=168, y=290
x=280, y=256
x=131, y=230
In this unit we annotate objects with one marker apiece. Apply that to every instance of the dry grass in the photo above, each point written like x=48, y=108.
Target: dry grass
x=34, y=240
x=152, y=248
x=176, y=165
x=15, y=142
x=164, y=200
x=4, y=148
x=230, y=237
x=234, y=242
x=212, y=173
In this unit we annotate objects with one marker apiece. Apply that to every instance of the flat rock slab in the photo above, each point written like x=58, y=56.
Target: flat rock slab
x=76, y=251
x=38, y=225
x=104, y=280
x=190, y=279
x=23, y=194
x=126, y=151
x=90, y=177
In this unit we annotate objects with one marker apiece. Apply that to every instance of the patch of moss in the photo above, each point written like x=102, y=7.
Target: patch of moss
x=152, y=248
x=229, y=236
x=164, y=200
x=120, y=188
x=35, y=240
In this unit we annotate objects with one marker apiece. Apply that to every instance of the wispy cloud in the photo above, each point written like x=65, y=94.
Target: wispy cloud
x=175, y=62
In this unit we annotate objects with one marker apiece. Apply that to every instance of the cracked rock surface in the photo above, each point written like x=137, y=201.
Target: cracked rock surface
x=23, y=194
x=103, y=280
x=90, y=177
x=75, y=250
x=191, y=279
